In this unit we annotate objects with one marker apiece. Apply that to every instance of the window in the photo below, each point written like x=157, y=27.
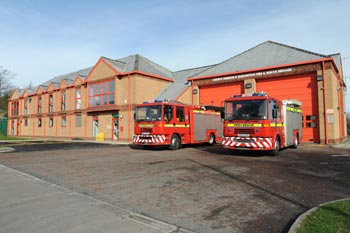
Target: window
x=77, y=99
x=311, y=125
x=311, y=117
x=64, y=121
x=275, y=105
x=39, y=105
x=51, y=122
x=63, y=102
x=12, y=127
x=39, y=122
x=25, y=122
x=78, y=121
x=102, y=94
x=168, y=112
x=15, y=108
x=51, y=103
x=25, y=110
x=180, y=114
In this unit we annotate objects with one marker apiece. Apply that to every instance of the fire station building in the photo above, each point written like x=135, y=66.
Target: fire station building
x=98, y=102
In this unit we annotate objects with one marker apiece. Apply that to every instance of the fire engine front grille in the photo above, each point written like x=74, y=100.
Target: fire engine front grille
x=146, y=130
x=244, y=131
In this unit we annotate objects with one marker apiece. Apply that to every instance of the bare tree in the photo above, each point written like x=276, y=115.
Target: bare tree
x=29, y=86
x=6, y=85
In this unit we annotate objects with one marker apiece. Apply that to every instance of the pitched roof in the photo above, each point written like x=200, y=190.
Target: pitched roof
x=118, y=65
x=337, y=60
x=174, y=89
x=265, y=54
x=69, y=78
x=142, y=64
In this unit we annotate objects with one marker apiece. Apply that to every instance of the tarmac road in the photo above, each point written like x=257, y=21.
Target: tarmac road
x=202, y=188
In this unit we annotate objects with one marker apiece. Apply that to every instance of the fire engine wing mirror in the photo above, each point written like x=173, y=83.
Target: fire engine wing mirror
x=222, y=114
x=134, y=116
x=274, y=113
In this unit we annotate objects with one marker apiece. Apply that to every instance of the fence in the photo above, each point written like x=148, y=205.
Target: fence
x=3, y=126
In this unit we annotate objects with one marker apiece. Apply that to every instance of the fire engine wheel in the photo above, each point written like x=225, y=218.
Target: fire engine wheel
x=275, y=151
x=296, y=142
x=211, y=140
x=175, y=142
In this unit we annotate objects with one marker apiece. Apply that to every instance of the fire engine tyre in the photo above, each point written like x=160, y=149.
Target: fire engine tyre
x=275, y=151
x=175, y=142
x=296, y=142
x=211, y=140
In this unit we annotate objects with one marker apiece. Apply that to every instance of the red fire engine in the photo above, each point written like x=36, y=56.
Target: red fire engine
x=173, y=123
x=258, y=122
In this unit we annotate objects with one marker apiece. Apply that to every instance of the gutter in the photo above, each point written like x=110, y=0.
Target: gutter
x=324, y=102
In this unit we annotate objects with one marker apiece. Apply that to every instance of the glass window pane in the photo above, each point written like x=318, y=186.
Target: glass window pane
x=111, y=86
x=77, y=94
x=64, y=121
x=97, y=101
x=79, y=104
x=104, y=100
x=92, y=102
x=92, y=90
x=104, y=87
x=111, y=99
x=78, y=120
x=97, y=89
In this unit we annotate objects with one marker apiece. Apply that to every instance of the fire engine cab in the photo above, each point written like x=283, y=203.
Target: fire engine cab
x=173, y=123
x=257, y=121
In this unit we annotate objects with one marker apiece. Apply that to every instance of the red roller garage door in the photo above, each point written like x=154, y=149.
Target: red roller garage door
x=303, y=88
x=216, y=94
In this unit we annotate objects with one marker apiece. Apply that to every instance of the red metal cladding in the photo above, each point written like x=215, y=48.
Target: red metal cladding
x=302, y=87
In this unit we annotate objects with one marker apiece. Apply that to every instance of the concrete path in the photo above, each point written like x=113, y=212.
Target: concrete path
x=31, y=205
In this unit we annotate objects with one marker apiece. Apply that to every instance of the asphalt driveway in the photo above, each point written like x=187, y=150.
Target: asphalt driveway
x=202, y=188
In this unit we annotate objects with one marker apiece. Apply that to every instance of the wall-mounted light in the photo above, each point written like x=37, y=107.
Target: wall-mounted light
x=319, y=78
x=195, y=91
x=248, y=85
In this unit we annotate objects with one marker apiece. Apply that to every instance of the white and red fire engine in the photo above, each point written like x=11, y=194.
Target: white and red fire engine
x=173, y=123
x=256, y=121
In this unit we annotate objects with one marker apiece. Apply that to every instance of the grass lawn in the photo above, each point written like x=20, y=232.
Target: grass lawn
x=2, y=137
x=332, y=217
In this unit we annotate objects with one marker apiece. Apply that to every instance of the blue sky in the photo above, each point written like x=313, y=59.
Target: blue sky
x=43, y=39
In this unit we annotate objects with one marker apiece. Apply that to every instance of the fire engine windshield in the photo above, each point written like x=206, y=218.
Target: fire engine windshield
x=246, y=110
x=149, y=113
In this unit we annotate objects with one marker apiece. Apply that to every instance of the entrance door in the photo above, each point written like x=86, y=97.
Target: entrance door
x=115, y=129
x=94, y=128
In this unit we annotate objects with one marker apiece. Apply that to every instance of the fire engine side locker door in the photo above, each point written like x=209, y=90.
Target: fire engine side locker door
x=198, y=126
x=292, y=121
x=288, y=125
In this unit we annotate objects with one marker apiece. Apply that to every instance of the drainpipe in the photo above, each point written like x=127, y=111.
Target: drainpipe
x=340, y=108
x=192, y=95
x=129, y=107
x=324, y=103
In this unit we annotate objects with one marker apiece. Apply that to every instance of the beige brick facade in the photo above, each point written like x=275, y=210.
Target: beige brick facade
x=108, y=114
x=111, y=122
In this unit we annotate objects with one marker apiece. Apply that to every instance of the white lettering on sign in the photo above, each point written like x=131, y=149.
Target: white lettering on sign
x=256, y=74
